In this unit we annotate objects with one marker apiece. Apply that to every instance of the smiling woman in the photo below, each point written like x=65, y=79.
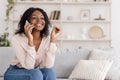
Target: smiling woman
x=34, y=48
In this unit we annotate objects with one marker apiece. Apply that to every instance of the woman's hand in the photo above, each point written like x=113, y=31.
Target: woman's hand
x=28, y=32
x=54, y=34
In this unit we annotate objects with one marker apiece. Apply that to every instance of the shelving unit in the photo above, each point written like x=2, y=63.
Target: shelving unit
x=70, y=21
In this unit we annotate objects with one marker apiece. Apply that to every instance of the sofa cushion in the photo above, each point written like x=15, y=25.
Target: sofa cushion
x=6, y=55
x=1, y=78
x=91, y=69
x=108, y=54
x=66, y=59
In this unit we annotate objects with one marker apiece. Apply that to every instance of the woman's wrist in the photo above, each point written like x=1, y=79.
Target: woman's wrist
x=52, y=40
x=30, y=42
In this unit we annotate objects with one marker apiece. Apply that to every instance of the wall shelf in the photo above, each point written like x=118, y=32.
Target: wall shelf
x=37, y=2
x=83, y=40
x=75, y=21
x=89, y=21
x=60, y=2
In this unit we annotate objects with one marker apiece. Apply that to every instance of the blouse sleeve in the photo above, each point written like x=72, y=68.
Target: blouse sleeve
x=50, y=46
x=50, y=54
x=52, y=49
x=26, y=56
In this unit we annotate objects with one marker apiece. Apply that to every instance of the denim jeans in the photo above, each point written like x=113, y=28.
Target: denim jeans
x=15, y=73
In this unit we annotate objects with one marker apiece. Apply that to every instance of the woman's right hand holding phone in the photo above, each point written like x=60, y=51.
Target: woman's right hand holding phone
x=28, y=32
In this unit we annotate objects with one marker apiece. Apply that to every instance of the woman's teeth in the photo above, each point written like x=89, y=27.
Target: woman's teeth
x=39, y=24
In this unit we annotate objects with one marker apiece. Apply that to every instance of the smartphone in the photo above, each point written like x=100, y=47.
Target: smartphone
x=28, y=23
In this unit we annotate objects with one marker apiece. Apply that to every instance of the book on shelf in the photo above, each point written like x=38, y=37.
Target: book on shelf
x=55, y=15
x=51, y=15
x=55, y=12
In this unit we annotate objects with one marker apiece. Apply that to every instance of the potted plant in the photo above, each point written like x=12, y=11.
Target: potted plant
x=4, y=42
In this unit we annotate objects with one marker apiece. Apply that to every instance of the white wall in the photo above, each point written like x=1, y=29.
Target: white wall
x=116, y=24
x=115, y=21
x=2, y=14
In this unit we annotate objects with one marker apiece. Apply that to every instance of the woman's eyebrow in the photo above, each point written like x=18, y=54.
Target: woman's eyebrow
x=34, y=15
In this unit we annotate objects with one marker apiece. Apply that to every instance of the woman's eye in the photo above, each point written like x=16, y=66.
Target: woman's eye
x=42, y=18
x=33, y=18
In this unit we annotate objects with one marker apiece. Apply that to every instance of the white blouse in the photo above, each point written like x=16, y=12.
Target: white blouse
x=27, y=57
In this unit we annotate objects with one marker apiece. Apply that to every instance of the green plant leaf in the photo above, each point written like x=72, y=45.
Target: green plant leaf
x=7, y=12
x=10, y=1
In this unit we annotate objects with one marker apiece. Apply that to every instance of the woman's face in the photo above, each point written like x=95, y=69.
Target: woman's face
x=37, y=19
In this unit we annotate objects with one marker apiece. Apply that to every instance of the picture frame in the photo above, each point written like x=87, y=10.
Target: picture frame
x=85, y=14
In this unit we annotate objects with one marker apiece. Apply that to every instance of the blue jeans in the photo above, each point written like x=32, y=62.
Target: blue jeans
x=15, y=73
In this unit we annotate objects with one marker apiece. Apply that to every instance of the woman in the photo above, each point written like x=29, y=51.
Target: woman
x=34, y=48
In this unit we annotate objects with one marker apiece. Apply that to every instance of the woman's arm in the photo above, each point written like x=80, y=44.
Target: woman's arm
x=51, y=48
x=24, y=53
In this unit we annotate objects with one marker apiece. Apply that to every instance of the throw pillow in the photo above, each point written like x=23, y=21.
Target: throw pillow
x=91, y=69
x=114, y=71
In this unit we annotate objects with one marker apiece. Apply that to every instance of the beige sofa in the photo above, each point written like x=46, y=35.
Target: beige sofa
x=66, y=59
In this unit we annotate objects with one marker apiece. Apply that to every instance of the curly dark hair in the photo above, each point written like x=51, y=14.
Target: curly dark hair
x=26, y=16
